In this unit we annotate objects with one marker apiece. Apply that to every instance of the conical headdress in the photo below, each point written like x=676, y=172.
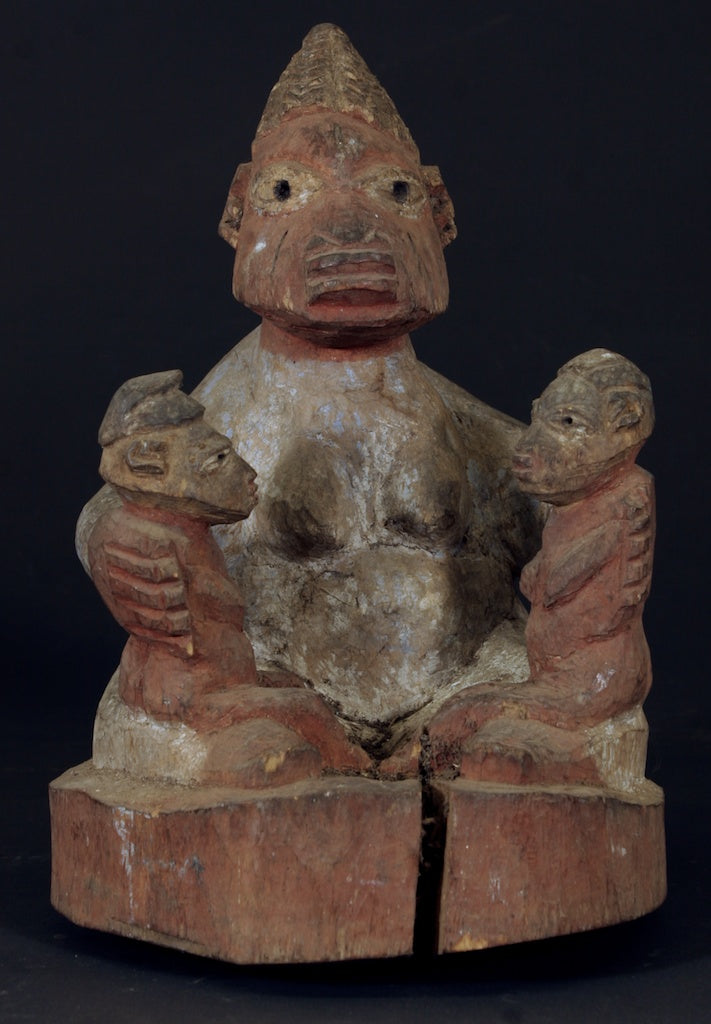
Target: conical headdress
x=329, y=73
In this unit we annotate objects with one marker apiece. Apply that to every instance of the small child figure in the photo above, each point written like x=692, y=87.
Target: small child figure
x=588, y=583
x=587, y=586
x=176, y=477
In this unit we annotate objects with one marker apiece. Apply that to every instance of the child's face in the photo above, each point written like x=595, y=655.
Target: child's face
x=190, y=469
x=570, y=449
x=205, y=472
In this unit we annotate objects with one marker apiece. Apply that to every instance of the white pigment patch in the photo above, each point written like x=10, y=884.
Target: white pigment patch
x=602, y=679
x=123, y=825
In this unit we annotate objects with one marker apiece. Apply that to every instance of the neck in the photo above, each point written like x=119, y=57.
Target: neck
x=276, y=339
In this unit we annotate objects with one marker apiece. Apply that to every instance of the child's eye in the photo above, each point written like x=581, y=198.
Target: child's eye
x=215, y=461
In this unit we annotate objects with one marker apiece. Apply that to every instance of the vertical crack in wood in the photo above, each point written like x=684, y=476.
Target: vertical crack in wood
x=429, y=883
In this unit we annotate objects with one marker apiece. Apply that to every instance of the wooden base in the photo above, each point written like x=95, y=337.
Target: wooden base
x=525, y=862
x=316, y=870
x=327, y=869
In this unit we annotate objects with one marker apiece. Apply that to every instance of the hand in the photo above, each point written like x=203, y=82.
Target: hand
x=135, y=566
x=639, y=509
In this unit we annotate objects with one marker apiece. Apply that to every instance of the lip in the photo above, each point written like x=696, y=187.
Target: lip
x=351, y=270
x=521, y=464
x=523, y=469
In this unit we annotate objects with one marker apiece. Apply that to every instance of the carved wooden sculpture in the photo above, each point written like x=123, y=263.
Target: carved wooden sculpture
x=587, y=585
x=378, y=572
x=176, y=477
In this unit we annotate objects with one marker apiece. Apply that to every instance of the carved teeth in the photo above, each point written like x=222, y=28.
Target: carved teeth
x=380, y=261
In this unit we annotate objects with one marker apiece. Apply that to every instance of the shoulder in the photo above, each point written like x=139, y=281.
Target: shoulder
x=636, y=492
x=224, y=387
x=493, y=430
x=490, y=437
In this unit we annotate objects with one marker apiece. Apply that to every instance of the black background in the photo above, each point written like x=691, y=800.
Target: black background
x=574, y=141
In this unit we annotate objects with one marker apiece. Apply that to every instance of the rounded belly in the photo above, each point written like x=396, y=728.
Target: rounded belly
x=376, y=631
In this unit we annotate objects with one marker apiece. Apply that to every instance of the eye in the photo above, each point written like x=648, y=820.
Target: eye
x=397, y=189
x=215, y=461
x=572, y=420
x=283, y=187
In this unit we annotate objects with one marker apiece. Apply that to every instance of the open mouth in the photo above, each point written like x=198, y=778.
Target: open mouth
x=522, y=465
x=350, y=277
x=525, y=474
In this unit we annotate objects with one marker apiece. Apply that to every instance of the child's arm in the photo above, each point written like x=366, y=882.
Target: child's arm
x=137, y=570
x=581, y=561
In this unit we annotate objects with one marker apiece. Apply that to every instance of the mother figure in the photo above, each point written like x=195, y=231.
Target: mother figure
x=379, y=567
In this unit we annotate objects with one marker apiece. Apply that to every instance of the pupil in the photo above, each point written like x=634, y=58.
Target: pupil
x=282, y=190
x=400, y=191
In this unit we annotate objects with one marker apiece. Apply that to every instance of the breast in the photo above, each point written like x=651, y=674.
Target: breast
x=426, y=497
x=311, y=505
x=382, y=482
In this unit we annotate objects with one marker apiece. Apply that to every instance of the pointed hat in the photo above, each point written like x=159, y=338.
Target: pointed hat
x=329, y=73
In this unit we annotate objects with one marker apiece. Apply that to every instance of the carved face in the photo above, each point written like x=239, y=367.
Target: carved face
x=337, y=241
x=190, y=469
x=577, y=439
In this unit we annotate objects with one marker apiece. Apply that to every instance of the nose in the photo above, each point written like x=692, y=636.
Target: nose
x=350, y=227
x=527, y=444
x=344, y=219
x=250, y=474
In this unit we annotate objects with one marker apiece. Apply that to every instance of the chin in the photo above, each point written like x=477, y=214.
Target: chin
x=338, y=324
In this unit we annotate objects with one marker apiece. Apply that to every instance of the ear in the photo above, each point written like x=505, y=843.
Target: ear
x=442, y=208
x=232, y=215
x=147, y=457
x=625, y=409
